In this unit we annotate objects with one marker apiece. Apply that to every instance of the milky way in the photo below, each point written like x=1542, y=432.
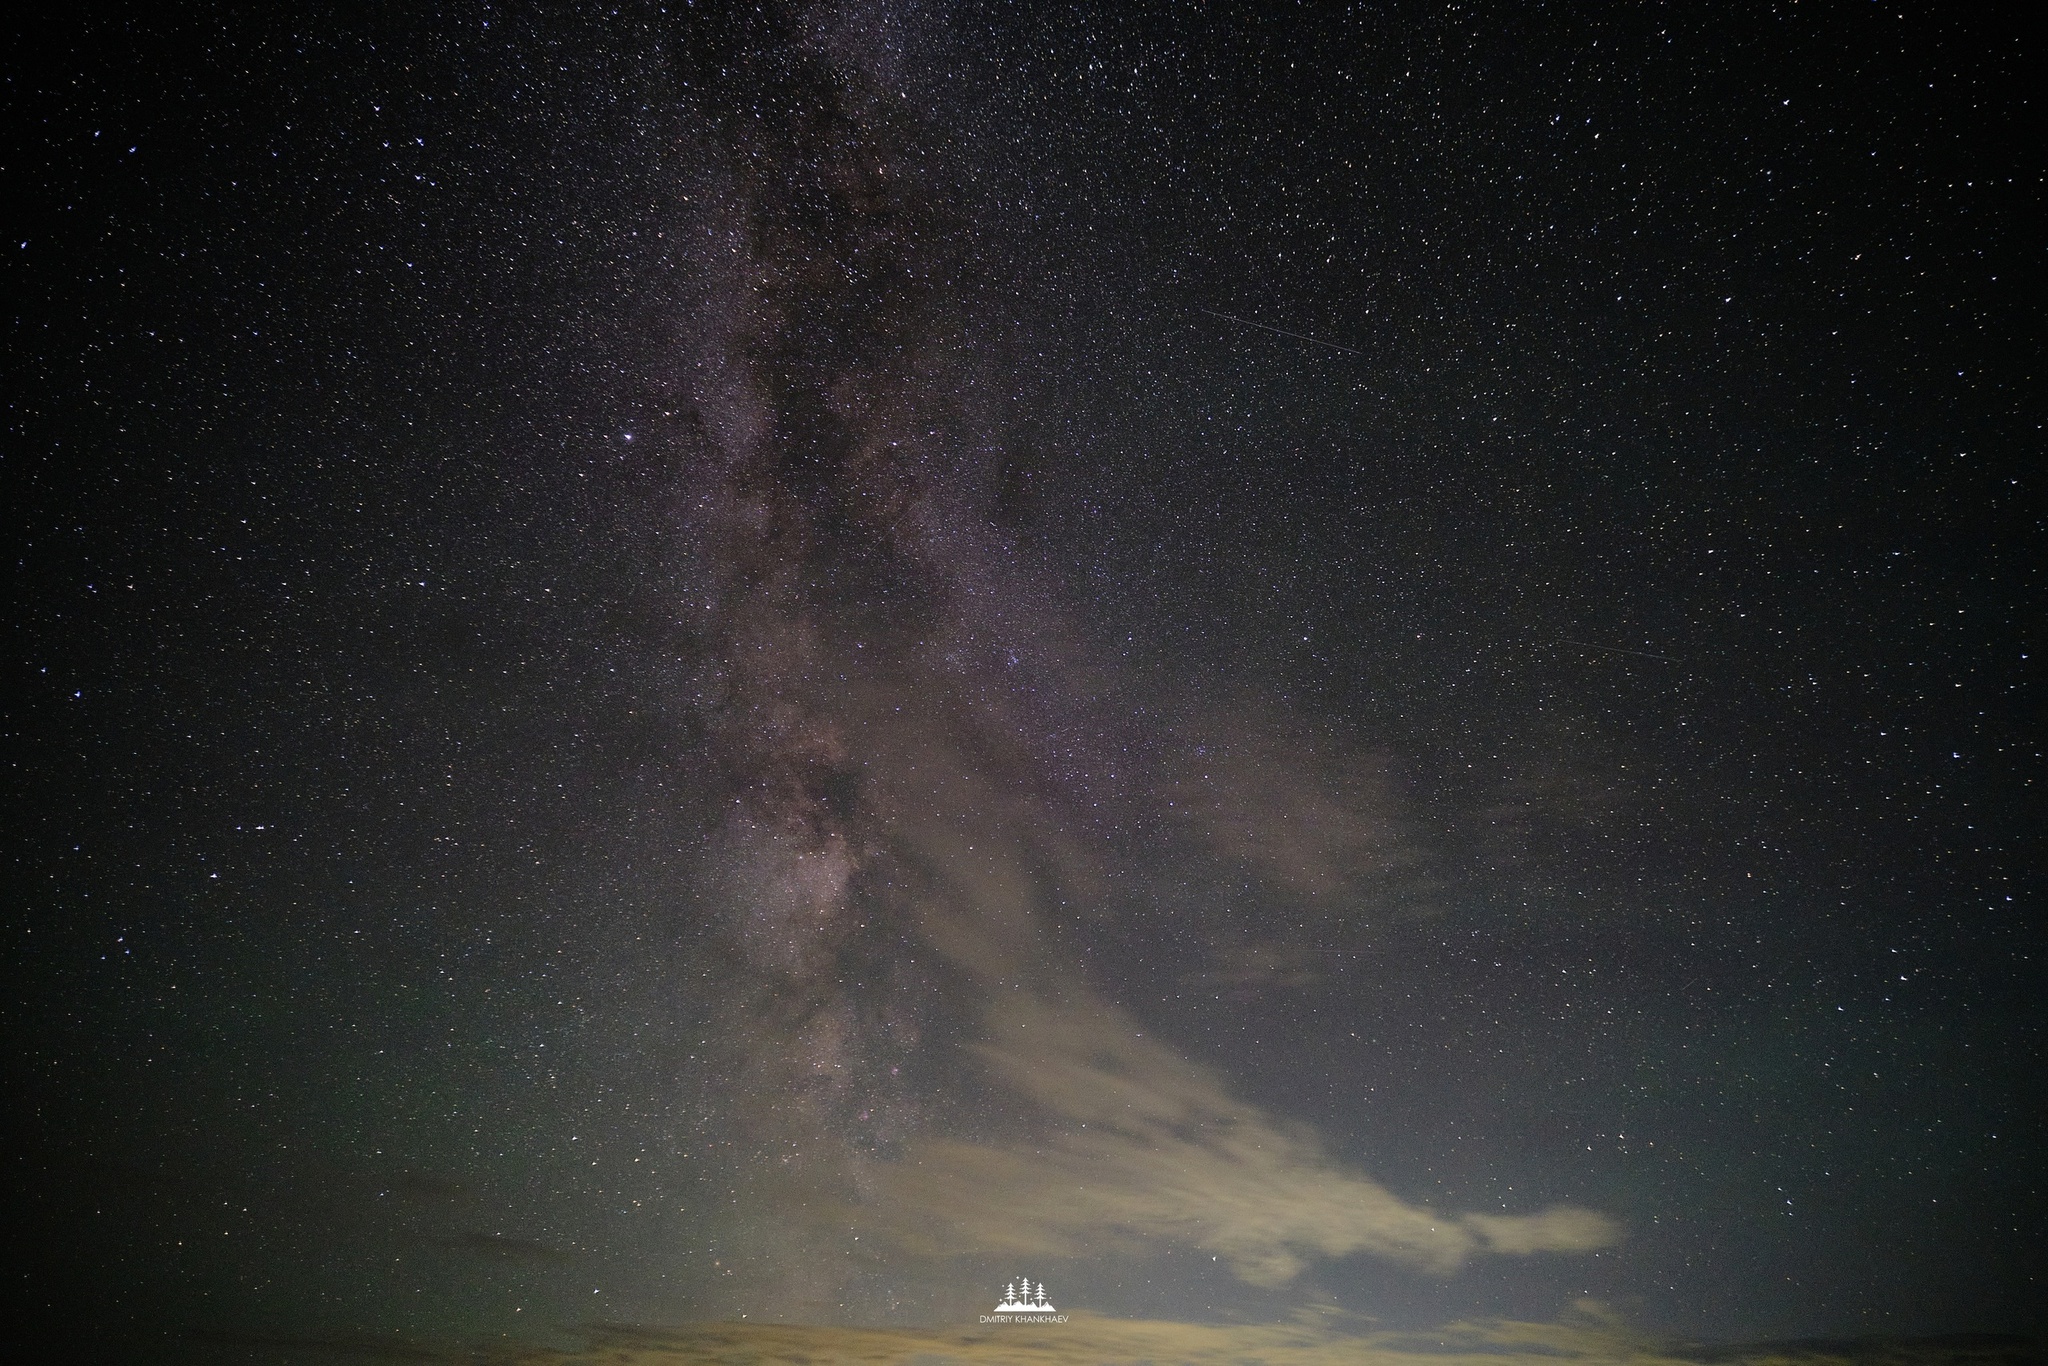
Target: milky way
x=922, y=749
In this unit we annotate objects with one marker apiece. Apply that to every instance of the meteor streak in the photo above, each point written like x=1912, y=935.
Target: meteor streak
x=1280, y=331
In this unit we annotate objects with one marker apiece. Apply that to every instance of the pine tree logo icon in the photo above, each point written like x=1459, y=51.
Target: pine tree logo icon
x=1021, y=1297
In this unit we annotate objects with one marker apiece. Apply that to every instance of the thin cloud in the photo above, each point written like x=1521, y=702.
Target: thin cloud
x=1136, y=1144
x=1308, y=1338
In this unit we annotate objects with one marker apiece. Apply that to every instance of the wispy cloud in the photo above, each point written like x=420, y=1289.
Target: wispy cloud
x=1307, y=1339
x=1132, y=1143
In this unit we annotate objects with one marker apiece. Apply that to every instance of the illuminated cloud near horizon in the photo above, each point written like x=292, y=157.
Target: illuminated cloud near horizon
x=1138, y=1143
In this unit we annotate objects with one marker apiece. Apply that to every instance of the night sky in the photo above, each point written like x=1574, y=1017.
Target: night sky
x=773, y=664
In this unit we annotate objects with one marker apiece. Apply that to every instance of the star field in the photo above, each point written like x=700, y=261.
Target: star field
x=773, y=664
